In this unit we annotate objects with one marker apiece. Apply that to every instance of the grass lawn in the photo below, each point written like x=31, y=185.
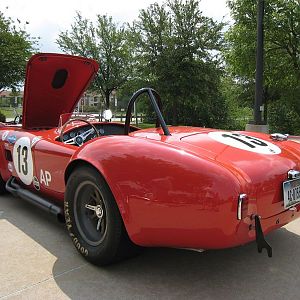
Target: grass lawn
x=145, y=125
x=9, y=112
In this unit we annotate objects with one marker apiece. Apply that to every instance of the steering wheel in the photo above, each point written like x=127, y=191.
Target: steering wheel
x=18, y=119
x=78, y=139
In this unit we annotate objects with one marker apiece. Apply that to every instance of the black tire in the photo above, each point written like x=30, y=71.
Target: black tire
x=2, y=186
x=97, y=231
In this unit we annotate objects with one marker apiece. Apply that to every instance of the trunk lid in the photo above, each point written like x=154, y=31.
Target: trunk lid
x=261, y=162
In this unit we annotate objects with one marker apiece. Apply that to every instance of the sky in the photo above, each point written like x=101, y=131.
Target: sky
x=48, y=18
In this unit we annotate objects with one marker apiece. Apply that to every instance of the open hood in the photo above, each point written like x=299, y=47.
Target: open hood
x=53, y=86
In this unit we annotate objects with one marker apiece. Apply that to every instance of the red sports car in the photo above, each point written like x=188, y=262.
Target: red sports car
x=119, y=187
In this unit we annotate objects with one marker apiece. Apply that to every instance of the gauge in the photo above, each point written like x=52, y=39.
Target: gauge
x=79, y=140
x=101, y=131
x=72, y=134
x=65, y=137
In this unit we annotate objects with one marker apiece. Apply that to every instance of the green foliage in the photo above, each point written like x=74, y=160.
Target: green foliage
x=283, y=118
x=282, y=49
x=87, y=108
x=105, y=42
x=239, y=112
x=16, y=46
x=126, y=91
x=176, y=51
x=282, y=41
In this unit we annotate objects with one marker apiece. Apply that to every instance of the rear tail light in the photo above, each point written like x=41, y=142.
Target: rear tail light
x=242, y=210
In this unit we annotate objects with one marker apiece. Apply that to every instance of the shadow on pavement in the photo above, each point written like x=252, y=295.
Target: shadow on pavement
x=165, y=273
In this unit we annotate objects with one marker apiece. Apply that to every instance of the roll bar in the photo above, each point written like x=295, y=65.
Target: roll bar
x=156, y=104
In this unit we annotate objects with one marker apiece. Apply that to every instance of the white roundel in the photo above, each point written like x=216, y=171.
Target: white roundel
x=22, y=158
x=244, y=142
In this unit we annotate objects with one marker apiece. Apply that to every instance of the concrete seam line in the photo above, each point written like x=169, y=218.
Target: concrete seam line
x=42, y=281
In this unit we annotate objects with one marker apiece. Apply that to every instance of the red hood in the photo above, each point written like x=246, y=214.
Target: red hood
x=53, y=86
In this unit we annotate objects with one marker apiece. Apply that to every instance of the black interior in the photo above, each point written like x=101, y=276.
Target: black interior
x=103, y=129
x=117, y=128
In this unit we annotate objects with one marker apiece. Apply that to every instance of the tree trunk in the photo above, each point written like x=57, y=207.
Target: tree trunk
x=107, y=94
x=266, y=97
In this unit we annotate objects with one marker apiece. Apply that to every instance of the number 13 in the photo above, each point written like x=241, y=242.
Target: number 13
x=22, y=159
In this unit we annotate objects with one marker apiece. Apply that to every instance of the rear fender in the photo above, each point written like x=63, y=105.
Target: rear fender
x=100, y=155
x=162, y=190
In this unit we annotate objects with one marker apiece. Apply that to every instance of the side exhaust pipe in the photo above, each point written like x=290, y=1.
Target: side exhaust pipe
x=17, y=190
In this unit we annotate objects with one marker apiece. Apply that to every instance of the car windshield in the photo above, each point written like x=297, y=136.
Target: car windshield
x=69, y=116
x=141, y=114
x=64, y=118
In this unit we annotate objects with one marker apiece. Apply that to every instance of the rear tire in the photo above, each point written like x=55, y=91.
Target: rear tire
x=93, y=219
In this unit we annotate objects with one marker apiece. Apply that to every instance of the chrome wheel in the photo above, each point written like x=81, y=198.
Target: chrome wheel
x=93, y=218
x=90, y=213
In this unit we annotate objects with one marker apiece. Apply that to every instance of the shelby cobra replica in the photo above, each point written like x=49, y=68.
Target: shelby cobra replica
x=119, y=187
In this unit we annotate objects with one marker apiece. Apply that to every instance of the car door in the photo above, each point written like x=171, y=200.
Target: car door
x=51, y=159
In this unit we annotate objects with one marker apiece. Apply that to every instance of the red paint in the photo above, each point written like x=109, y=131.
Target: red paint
x=43, y=104
x=178, y=191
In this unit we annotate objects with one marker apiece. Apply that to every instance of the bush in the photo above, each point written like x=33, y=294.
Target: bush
x=283, y=118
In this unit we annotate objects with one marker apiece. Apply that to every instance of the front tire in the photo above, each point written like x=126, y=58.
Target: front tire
x=93, y=218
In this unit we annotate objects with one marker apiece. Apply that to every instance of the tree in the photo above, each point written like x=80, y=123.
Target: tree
x=16, y=46
x=105, y=42
x=177, y=53
x=282, y=50
x=234, y=95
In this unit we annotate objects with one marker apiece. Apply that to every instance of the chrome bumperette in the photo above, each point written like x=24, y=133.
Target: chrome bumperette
x=279, y=137
x=293, y=174
x=240, y=204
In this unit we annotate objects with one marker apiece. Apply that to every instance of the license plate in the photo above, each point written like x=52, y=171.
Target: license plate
x=291, y=192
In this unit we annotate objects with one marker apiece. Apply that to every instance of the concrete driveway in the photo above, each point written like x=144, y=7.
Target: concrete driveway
x=38, y=261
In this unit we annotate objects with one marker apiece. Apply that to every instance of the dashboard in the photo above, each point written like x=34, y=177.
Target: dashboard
x=103, y=130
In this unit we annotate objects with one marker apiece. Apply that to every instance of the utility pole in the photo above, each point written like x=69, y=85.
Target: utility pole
x=259, y=64
x=258, y=124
